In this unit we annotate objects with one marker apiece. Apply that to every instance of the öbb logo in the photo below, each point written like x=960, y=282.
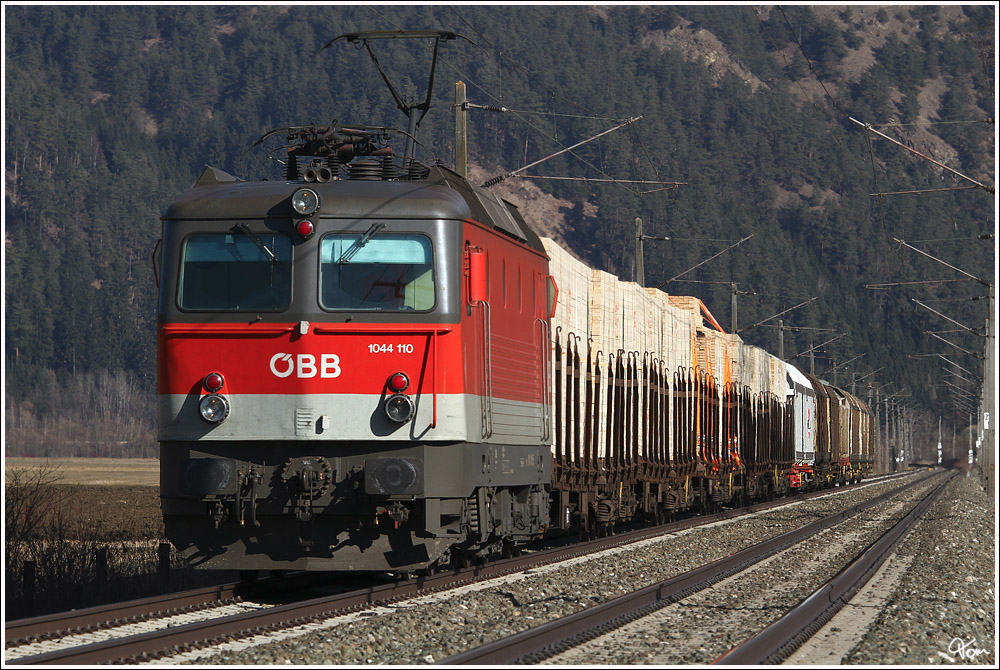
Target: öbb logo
x=304, y=365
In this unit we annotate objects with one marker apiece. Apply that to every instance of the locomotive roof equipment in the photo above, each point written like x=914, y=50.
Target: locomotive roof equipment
x=415, y=112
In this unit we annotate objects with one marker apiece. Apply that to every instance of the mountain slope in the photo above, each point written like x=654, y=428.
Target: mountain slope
x=113, y=111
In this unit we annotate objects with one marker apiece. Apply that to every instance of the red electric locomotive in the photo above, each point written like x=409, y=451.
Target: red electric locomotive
x=352, y=366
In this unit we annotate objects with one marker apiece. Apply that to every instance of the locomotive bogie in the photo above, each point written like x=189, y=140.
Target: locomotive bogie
x=279, y=505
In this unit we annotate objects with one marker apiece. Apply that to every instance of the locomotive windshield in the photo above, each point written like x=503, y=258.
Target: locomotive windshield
x=385, y=272
x=233, y=272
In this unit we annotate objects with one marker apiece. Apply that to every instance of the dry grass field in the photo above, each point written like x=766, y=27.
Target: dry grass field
x=97, y=471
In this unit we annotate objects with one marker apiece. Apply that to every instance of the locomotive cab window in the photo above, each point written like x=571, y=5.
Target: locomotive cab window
x=384, y=271
x=235, y=272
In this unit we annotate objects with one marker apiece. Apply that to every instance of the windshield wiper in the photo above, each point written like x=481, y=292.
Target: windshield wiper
x=356, y=247
x=245, y=229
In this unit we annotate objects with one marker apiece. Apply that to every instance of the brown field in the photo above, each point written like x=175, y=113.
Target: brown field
x=108, y=497
x=97, y=471
x=115, y=512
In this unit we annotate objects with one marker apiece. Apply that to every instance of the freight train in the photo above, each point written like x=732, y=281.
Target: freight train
x=373, y=364
x=361, y=368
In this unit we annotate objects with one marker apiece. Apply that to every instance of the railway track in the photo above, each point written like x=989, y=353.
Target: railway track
x=776, y=642
x=157, y=628
x=625, y=624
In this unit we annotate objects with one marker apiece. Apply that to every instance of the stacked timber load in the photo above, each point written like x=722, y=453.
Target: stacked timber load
x=609, y=335
x=709, y=344
x=570, y=334
x=701, y=352
x=717, y=354
x=573, y=281
x=661, y=326
x=639, y=313
x=650, y=394
x=766, y=374
x=642, y=320
x=868, y=446
x=692, y=315
x=837, y=452
x=752, y=370
x=734, y=359
x=688, y=304
x=606, y=311
x=759, y=379
x=676, y=331
x=778, y=370
x=606, y=340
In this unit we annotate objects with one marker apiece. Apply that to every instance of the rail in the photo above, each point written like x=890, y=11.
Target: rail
x=536, y=644
x=784, y=636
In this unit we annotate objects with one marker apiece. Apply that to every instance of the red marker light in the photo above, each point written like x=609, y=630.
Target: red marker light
x=398, y=382
x=213, y=382
x=305, y=228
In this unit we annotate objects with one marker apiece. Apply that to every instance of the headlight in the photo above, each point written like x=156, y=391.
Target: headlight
x=214, y=408
x=399, y=408
x=305, y=201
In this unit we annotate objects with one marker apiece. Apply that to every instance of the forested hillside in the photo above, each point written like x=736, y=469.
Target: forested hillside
x=112, y=111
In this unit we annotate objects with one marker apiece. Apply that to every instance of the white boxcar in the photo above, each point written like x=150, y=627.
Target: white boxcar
x=805, y=416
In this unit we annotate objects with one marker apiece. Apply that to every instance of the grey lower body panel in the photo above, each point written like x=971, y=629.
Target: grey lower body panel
x=332, y=505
